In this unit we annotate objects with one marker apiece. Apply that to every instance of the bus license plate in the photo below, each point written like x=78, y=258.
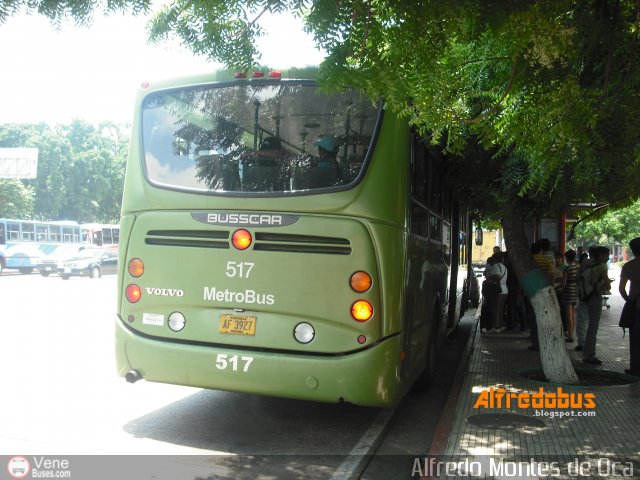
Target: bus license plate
x=237, y=324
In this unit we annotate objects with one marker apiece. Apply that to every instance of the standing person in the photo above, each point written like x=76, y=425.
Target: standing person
x=569, y=298
x=515, y=307
x=582, y=317
x=558, y=285
x=601, y=283
x=543, y=259
x=489, y=299
x=498, y=273
x=546, y=265
x=631, y=273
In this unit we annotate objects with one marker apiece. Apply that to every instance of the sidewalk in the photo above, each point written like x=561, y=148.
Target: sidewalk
x=507, y=441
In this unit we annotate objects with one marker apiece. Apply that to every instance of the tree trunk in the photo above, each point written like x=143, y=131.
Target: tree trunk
x=556, y=363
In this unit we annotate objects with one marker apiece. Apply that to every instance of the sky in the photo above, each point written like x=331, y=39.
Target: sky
x=92, y=74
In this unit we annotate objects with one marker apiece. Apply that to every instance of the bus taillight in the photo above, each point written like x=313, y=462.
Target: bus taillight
x=241, y=239
x=361, y=311
x=136, y=267
x=360, y=282
x=133, y=293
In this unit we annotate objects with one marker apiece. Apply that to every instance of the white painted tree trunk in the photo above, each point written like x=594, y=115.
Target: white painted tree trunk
x=556, y=363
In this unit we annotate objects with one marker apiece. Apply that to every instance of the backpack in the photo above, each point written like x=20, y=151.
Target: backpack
x=585, y=289
x=628, y=315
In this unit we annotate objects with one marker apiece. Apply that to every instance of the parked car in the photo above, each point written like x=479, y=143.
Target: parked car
x=91, y=263
x=49, y=264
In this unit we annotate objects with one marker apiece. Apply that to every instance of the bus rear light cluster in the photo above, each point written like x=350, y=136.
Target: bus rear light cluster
x=360, y=282
x=133, y=293
x=241, y=239
x=361, y=311
x=274, y=75
x=135, y=267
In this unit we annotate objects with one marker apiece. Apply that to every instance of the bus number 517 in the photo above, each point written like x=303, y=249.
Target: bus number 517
x=224, y=361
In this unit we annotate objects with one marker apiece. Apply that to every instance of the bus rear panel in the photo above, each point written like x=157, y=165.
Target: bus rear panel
x=249, y=262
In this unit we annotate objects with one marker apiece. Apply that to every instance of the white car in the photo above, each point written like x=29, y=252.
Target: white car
x=50, y=263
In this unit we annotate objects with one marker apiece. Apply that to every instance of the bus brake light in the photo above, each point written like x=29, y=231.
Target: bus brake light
x=133, y=293
x=361, y=311
x=275, y=75
x=241, y=239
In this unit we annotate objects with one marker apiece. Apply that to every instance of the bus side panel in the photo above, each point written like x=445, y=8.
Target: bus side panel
x=425, y=286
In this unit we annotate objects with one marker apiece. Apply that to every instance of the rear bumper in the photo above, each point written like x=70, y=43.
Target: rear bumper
x=367, y=377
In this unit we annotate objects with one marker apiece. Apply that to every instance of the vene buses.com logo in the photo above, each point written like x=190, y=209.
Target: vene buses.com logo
x=18, y=467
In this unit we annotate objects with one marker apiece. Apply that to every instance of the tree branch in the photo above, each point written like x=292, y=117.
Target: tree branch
x=495, y=106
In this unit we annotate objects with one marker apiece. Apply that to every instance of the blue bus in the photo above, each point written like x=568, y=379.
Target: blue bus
x=24, y=242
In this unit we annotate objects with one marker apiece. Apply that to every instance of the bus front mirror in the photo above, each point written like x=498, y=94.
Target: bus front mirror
x=478, y=236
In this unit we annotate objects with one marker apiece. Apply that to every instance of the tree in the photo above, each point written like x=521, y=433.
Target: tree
x=619, y=225
x=80, y=171
x=16, y=199
x=546, y=91
x=81, y=11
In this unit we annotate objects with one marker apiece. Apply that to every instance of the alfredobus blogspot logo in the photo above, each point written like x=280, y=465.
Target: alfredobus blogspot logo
x=18, y=467
x=501, y=398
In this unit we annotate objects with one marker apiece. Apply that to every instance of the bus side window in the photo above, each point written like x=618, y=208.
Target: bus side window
x=106, y=236
x=418, y=191
x=97, y=239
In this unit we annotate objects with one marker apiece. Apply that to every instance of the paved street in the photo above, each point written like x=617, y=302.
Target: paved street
x=62, y=397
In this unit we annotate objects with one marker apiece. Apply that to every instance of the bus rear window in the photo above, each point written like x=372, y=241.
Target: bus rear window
x=252, y=138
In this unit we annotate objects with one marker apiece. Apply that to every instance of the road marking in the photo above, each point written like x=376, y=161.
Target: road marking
x=361, y=454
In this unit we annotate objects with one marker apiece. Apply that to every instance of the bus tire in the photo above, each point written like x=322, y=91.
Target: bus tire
x=26, y=270
x=44, y=274
x=1, y=265
x=94, y=273
x=65, y=277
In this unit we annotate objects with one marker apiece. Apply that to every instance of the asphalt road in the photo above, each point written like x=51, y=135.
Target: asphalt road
x=61, y=396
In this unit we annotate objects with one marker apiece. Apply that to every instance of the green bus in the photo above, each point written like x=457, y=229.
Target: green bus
x=280, y=240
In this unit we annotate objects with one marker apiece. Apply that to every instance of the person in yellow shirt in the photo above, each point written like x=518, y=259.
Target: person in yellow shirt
x=545, y=263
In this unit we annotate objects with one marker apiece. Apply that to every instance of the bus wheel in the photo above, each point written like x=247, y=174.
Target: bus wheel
x=65, y=277
x=26, y=271
x=95, y=273
x=44, y=274
x=1, y=265
x=426, y=377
